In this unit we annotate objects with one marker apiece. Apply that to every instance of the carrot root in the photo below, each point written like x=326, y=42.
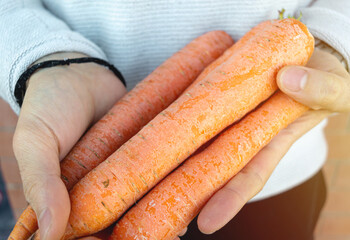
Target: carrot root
x=173, y=204
x=223, y=96
x=131, y=113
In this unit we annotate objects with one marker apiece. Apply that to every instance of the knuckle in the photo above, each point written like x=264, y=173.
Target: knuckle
x=329, y=93
x=234, y=194
x=31, y=186
x=21, y=140
x=327, y=96
x=33, y=136
x=258, y=181
x=18, y=140
x=27, y=129
x=347, y=95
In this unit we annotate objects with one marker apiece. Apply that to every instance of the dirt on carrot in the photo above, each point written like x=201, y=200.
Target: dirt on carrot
x=173, y=204
x=224, y=95
x=131, y=113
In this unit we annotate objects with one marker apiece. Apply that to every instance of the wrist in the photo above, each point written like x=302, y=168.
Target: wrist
x=101, y=84
x=71, y=65
x=54, y=56
x=70, y=60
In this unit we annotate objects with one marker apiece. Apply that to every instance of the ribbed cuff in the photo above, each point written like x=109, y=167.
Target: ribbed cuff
x=330, y=27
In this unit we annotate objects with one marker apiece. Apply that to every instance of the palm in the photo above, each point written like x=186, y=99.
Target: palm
x=59, y=105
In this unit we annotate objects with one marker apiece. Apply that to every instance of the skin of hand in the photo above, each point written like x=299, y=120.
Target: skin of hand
x=59, y=105
x=323, y=85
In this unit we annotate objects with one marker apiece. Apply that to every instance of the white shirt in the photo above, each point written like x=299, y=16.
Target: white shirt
x=136, y=36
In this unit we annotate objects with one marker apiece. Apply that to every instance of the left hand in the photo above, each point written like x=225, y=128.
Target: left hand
x=324, y=86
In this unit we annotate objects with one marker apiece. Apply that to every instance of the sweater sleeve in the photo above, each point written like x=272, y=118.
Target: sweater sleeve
x=329, y=21
x=28, y=32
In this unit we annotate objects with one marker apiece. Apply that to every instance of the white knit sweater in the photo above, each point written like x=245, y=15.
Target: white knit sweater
x=136, y=36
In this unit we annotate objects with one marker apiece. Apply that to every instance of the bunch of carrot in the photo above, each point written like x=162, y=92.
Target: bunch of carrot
x=173, y=204
x=131, y=113
x=165, y=211
x=232, y=86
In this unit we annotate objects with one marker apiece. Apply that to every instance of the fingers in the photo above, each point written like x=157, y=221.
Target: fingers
x=323, y=85
x=183, y=232
x=36, y=150
x=227, y=202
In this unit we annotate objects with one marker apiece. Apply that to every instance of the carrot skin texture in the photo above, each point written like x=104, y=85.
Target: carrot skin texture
x=226, y=55
x=174, y=203
x=131, y=113
x=25, y=226
x=148, y=98
x=226, y=94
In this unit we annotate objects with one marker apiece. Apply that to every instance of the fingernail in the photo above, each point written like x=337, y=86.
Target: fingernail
x=294, y=79
x=206, y=223
x=45, y=223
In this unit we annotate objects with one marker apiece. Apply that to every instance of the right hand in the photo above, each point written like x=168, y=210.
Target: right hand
x=59, y=105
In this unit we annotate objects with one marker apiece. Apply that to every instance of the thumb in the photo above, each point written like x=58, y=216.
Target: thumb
x=37, y=152
x=315, y=88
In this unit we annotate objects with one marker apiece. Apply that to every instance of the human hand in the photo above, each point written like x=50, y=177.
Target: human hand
x=324, y=86
x=60, y=103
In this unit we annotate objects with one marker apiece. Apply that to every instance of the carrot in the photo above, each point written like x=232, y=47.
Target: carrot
x=175, y=202
x=132, y=112
x=226, y=55
x=227, y=93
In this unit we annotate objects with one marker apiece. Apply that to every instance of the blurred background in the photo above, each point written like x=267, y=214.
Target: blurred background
x=334, y=223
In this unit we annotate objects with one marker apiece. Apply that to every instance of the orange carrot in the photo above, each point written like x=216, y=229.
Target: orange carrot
x=227, y=93
x=173, y=204
x=132, y=112
x=226, y=55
